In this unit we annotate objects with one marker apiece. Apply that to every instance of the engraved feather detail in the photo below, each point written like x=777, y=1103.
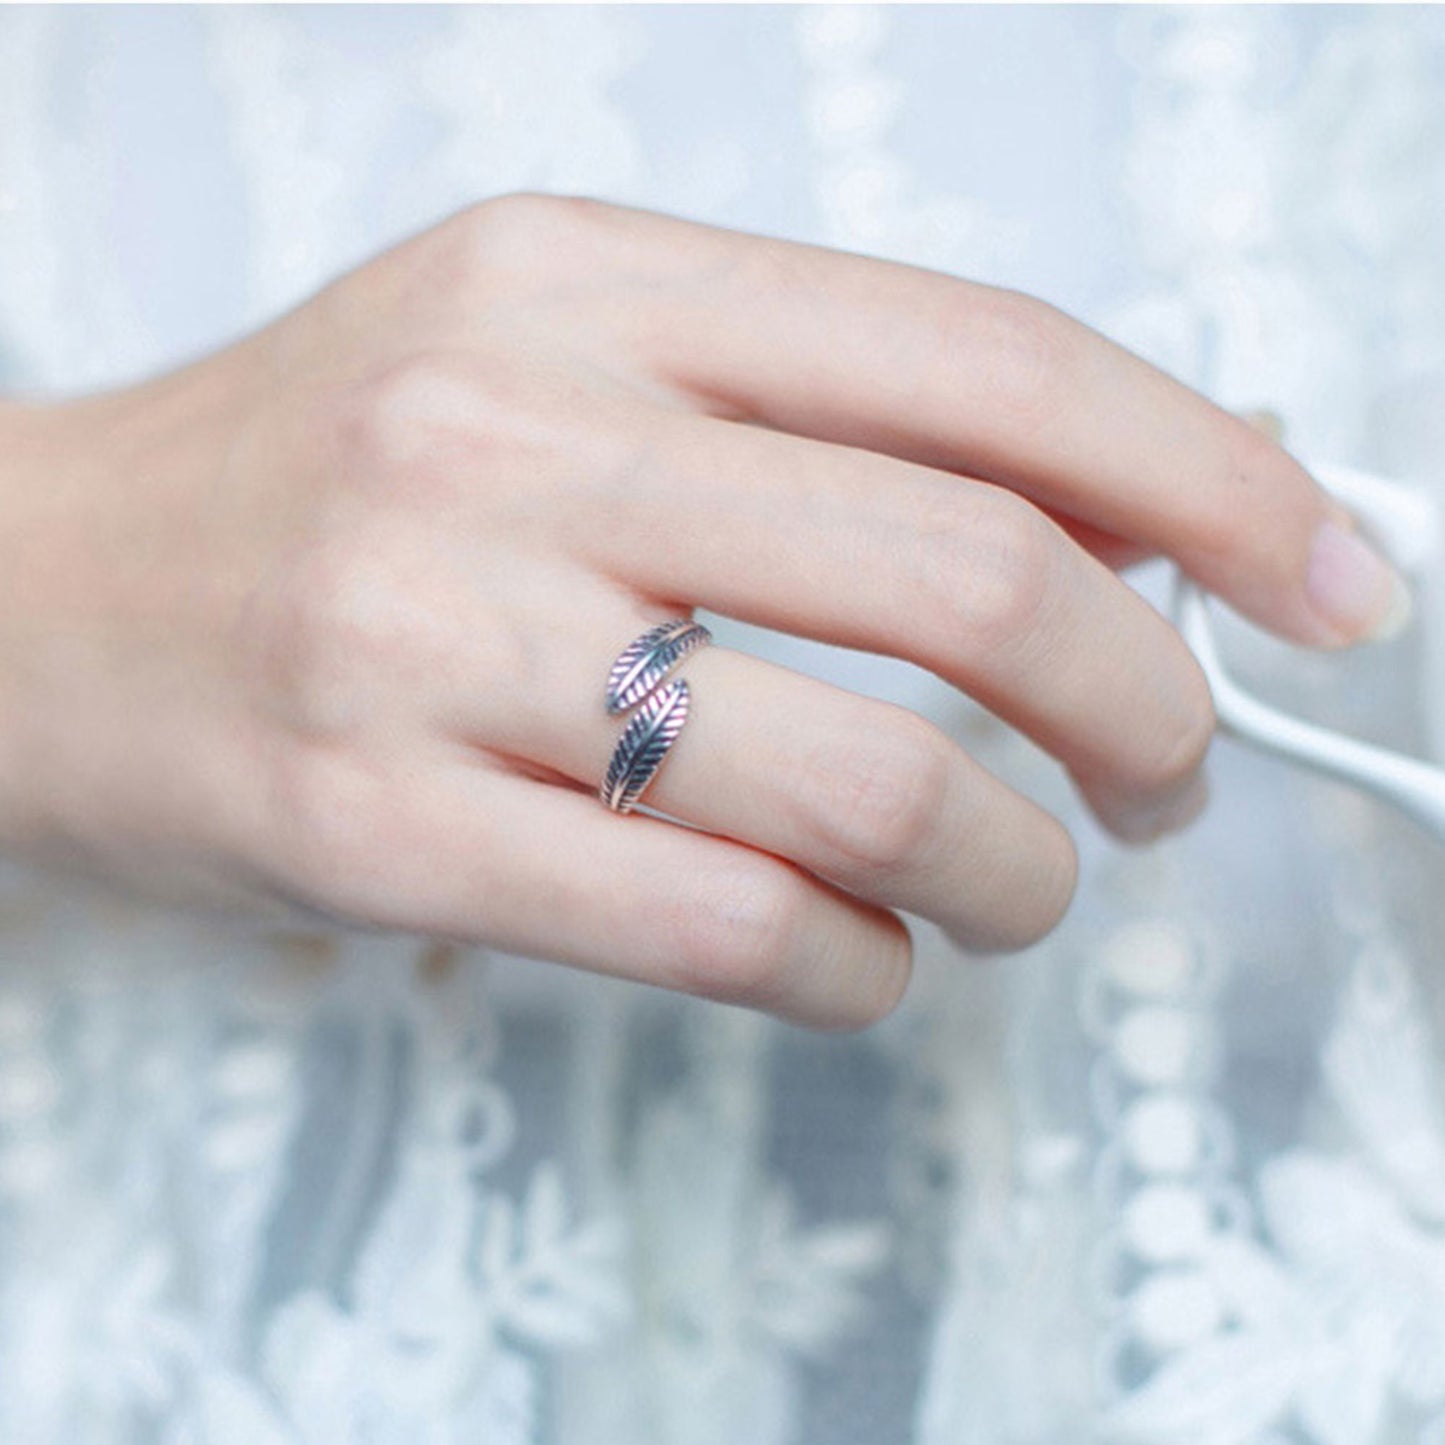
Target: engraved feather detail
x=643, y=745
x=645, y=662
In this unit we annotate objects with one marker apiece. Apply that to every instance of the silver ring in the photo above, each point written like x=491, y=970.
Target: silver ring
x=636, y=677
x=644, y=744
x=644, y=663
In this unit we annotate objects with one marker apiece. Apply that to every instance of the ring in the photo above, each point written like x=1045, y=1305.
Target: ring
x=644, y=744
x=636, y=677
x=644, y=663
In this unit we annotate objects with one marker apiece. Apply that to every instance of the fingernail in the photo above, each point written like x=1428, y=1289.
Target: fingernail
x=1353, y=589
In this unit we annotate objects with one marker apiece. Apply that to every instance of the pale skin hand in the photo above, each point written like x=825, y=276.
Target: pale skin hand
x=323, y=619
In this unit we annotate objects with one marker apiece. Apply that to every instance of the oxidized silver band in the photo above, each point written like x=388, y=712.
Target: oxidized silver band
x=636, y=677
x=644, y=744
x=644, y=663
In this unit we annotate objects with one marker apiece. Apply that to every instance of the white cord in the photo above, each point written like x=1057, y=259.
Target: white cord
x=1407, y=524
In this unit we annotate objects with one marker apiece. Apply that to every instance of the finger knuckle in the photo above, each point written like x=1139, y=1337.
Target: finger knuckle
x=394, y=416
x=1018, y=349
x=736, y=941
x=874, y=802
x=524, y=230
x=988, y=572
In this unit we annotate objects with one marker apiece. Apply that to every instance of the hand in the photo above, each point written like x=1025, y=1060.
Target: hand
x=324, y=619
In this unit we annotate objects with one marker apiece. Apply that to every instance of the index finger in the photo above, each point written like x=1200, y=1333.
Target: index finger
x=971, y=378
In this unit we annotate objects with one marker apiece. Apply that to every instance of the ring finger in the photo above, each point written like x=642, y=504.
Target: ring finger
x=862, y=793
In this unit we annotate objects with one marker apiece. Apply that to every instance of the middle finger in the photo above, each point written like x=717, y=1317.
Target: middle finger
x=962, y=577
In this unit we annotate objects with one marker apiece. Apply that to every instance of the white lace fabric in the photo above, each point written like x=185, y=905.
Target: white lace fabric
x=1175, y=1177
